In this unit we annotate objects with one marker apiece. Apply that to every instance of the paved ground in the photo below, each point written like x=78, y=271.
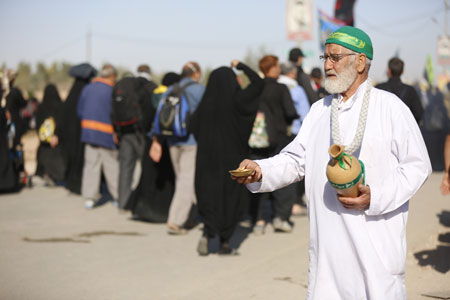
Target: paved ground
x=51, y=247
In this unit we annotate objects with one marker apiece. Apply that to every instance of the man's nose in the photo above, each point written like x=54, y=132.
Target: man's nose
x=327, y=65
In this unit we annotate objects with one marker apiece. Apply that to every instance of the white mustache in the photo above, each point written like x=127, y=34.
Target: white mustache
x=331, y=73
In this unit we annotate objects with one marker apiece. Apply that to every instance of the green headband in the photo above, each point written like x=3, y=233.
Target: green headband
x=352, y=38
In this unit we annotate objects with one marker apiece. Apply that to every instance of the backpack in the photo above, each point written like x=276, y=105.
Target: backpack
x=259, y=137
x=125, y=108
x=173, y=113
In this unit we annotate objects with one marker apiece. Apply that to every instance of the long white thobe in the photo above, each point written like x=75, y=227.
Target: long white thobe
x=355, y=254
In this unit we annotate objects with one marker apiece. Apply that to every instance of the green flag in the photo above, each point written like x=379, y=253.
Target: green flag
x=430, y=70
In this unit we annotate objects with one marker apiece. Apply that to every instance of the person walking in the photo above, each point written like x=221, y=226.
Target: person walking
x=278, y=111
x=296, y=56
x=222, y=125
x=183, y=151
x=317, y=78
x=15, y=103
x=8, y=173
x=151, y=199
x=131, y=133
x=70, y=129
x=405, y=92
x=357, y=246
x=288, y=77
x=100, y=151
x=50, y=157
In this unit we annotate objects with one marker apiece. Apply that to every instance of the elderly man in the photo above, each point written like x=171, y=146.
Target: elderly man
x=97, y=133
x=357, y=245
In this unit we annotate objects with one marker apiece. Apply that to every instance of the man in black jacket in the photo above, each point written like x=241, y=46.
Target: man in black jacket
x=405, y=92
x=296, y=56
x=132, y=137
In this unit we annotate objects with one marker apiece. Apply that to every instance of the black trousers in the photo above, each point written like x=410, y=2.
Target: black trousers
x=131, y=149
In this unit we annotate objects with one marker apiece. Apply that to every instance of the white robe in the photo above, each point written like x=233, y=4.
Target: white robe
x=355, y=254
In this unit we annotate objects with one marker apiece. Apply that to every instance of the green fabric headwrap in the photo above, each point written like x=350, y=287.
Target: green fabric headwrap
x=352, y=38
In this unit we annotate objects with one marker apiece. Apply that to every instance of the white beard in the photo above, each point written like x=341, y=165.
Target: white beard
x=342, y=81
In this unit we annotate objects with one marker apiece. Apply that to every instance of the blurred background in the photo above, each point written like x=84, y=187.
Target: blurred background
x=42, y=39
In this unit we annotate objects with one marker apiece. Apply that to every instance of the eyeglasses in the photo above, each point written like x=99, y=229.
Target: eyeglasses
x=334, y=58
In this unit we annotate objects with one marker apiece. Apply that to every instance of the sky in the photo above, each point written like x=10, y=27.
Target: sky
x=166, y=34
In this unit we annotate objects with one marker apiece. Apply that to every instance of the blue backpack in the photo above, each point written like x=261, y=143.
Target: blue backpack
x=173, y=113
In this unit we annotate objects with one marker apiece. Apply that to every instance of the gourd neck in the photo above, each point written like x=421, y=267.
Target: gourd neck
x=336, y=150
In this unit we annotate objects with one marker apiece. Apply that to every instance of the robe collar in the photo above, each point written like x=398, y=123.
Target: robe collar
x=350, y=101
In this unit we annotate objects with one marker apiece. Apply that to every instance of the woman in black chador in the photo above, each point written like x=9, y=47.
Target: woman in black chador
x=151, y=199
x=70, y=130
x=8, y=174
x=15, y=103
x=50, y=159
x=222, y=125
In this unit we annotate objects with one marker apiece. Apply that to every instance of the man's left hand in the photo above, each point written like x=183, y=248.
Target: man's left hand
x=359, y=203
x=116, y=139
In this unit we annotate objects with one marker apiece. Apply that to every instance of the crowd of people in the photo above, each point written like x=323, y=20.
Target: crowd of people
x=87, y=149
x=280, y=121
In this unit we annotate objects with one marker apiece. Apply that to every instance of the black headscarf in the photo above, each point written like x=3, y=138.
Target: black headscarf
x=14, y=104
x=50, y=107
x=70, y=130
x=170, y=78
x=222, y=125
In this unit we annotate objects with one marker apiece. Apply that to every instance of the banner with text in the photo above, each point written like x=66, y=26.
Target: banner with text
x=299, y=19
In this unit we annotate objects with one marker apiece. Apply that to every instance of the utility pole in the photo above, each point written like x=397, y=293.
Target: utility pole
x=89, y=45
x=446, y=17
x=446, y=66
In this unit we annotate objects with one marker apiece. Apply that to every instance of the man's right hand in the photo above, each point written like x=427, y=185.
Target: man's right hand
x=249, y=164
x=155, y=151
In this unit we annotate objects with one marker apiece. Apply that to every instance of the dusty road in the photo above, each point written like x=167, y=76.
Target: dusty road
x=51, y=247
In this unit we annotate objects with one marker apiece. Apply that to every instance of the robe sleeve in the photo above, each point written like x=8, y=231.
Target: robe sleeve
x=288, y=166
x=412, y=168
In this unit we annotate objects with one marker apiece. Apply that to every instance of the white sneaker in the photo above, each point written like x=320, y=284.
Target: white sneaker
x=281, y=226
x=89, y=204
x=259, y=229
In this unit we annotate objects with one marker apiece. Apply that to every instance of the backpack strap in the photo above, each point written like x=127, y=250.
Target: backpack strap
x=181, y=89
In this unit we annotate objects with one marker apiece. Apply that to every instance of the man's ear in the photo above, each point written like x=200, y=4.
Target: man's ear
x=361, y=63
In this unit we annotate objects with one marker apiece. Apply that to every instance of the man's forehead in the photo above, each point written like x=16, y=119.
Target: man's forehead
x=335, y=49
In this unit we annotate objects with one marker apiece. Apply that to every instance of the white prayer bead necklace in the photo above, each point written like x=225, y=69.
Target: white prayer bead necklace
x=335, y=131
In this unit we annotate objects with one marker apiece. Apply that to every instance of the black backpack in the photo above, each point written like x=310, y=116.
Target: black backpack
x=126, y=109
